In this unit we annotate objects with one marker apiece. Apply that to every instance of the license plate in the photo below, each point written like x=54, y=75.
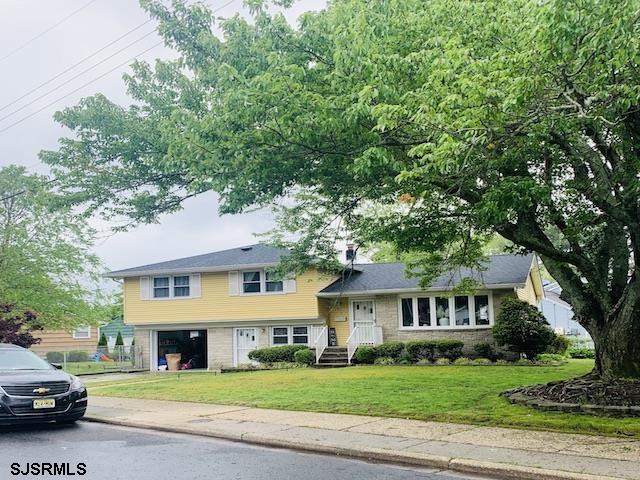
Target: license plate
x=44, y=403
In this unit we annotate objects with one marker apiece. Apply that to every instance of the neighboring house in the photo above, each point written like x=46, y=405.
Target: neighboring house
x=559, y=313
x=216, y=308
x=81, y=339
x=111, y=329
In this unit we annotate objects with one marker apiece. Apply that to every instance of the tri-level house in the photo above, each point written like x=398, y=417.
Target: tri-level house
x=213, y=309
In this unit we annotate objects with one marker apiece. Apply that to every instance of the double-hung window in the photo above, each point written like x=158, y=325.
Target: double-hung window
x=280, y=335
x=300, y=335
x=176, y=286
x=251, y=282
x=290, y=335
x=260, y=281
x=272, y=284
x=459, y=311
x=181, y=286
x=161, y=287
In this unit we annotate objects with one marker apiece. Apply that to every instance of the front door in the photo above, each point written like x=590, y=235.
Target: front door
x=246, y=340
x=363, y=315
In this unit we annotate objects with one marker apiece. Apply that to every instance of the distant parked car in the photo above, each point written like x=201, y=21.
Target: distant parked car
x=34, y=391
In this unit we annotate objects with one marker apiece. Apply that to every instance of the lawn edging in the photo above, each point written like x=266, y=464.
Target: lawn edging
x=461, y=465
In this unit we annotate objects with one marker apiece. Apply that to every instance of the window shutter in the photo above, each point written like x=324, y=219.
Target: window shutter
x=234, y=283
x=194, y=285
x=145, y=288
x=289, y=286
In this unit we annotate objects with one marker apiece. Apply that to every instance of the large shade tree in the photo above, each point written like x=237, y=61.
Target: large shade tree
x=428, y=124
x=46, y=265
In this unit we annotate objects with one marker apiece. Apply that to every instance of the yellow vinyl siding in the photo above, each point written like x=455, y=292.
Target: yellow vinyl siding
x=336, y=313
x=528, y=292
x=215, y=303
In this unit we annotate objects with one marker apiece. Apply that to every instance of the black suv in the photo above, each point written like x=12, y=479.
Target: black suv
x=34, y=391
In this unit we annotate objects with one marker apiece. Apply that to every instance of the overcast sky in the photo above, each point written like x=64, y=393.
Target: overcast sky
x=27, y=61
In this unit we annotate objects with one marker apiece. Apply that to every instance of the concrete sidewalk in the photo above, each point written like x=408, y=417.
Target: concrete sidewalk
x=497, y=452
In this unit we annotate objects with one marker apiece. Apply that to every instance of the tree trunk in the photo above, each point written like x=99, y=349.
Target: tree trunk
x=617, y=345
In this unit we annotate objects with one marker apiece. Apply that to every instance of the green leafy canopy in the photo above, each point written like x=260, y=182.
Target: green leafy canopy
x=431, y=125
x=45, y=261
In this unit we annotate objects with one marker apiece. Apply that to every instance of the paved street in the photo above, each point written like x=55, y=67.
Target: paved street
x=115, y=452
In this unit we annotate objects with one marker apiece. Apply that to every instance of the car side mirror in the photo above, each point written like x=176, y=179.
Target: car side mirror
x=57, y=366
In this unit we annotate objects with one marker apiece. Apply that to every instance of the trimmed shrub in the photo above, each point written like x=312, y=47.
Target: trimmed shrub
x=485, y=350
x=550, y=358
x=103, y=341
x=284, y=353
x=421, y=350
x=365, y=355
x=423, y=361
x=405, y=357
x=306, y=356
x=443, y=361
x=482, y=361
x=581, y=352
x=77, y=356
x=119, y=340
x=390, y=349
x=462, y=361
x=522, y=327
x=502, y=361
x=384, y=361
x=522, y=361
x=55, y=357
x=559, y=346
x=450, y=349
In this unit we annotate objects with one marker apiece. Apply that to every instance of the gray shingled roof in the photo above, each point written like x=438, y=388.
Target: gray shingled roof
x=374, y=277
x=250, y=255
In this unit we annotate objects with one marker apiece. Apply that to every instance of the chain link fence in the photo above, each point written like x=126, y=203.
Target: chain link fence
x=100, y=360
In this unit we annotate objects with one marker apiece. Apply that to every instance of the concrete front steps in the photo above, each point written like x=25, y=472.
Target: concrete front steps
x=333, y=357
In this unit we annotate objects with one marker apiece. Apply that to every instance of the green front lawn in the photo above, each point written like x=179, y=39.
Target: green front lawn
x=81, y=368
x=463, y=394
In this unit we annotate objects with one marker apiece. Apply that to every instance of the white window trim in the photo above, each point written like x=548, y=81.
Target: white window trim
x=171, y=287
x=452, y=320
x=289, y=335
x=76, y=337
x=263, y=283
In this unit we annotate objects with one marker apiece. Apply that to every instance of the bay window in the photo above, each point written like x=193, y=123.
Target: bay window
x=407, y=312
x=440, y=312
x=482, y=309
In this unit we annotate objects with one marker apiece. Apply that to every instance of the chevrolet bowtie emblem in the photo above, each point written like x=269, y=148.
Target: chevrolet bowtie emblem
x=41, y=390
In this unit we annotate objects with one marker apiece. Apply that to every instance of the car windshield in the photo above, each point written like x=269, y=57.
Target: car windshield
x=21, y=360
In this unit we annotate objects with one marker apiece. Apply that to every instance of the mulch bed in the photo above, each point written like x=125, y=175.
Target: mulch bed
x=587, y=394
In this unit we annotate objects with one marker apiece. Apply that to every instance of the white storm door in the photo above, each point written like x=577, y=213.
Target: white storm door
x=246, y=340
x=363, y=313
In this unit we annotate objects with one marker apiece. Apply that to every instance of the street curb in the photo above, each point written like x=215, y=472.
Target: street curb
x=461, y=465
